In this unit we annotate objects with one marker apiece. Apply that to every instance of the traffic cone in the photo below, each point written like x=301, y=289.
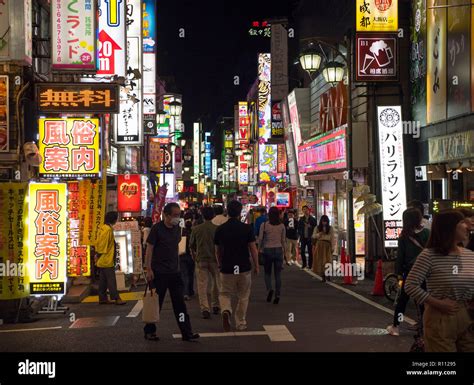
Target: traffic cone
x=378, y=286
x=344, y=261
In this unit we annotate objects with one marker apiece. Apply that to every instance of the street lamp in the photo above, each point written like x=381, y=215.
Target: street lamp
x=183, y=142
x=186, y=169
x=161, y=115
x=333, y=72
x=175, y=108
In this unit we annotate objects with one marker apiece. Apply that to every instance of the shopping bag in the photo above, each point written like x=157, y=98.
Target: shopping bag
x=151, y=307
x=182, y=246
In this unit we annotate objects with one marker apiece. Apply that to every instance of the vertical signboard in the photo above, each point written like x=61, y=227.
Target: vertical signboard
x=4, y=114
x=277, y=122
x=436, y=92
x=243, y=142
x=5, y=33
x=418, y=61
x=129, y=193
x=264, y=96
x=149, y=57
x=112, y=43
x=73, y=35
x=196, y=147
x=377, y=15
x=207, y=155
x=392, y=171
x=214, y=169
x=279, y=55
x=47, y=243
x=268, y=161
x=377, y=57
x=13, y=260
x=178, y=162
x=459, y=58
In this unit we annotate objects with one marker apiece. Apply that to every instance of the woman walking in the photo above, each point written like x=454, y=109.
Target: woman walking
x=448, y=270
x=411, y=243
x=323, y=246
x=271, y=241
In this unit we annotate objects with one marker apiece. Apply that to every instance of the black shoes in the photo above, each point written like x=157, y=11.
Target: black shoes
x=270, y=296
x=216, y=310
x=226, y=320
x=206, y=314
x=276, y=300
x=151, y=337
x=191, y=337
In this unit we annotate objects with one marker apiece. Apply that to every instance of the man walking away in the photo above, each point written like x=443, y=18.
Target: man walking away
x=203, y=252
x=162, y=269
x=235, y=243
x=291, y=226
x=220, y=218
x=105, y=261
x=306, y=226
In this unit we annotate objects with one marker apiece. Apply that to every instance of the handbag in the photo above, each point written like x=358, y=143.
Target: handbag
x=151, y=306
x=261, y=257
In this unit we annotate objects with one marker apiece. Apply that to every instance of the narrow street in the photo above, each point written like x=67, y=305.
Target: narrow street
x=310, y=314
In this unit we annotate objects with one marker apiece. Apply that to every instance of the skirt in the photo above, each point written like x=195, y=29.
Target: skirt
x=321, y=256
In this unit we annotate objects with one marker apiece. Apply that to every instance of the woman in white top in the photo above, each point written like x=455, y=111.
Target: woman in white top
x=271, y=242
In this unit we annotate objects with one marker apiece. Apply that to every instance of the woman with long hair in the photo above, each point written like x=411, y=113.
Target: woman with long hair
x=323, y=246
x=271, y=242
x=448, y=270
x=411, y=243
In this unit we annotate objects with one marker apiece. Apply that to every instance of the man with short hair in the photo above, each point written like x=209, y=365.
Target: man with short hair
x=235, y=244
x=202, y=250
x=306, y=225
x=163, y=269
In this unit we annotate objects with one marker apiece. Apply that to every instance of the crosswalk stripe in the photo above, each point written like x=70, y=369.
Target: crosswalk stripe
x=136, y=309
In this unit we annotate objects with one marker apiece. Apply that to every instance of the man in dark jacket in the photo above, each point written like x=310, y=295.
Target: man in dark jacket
x=306, y=225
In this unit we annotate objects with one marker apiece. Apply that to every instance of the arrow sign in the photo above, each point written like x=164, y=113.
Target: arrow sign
x=107, y=48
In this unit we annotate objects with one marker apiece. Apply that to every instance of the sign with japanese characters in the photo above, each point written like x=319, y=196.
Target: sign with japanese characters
x=447, y=148
x=78, y=257
x=77, y=97
x=196, y=147
x=282, y=161
x=277, y=121
x=392, y=171
x=377, y=15
x=73, y=37
x=13, y=259
x=133, y=228
x=4, y=114
x=264, y=96
x=47, y=238
x=377, y=57
x=112, y=41
x=260, y=28
x=268, y=161
x=129, y=193
x=69, y=148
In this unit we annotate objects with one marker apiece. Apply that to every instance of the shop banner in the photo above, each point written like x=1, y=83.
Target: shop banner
x=4, y=114
x=99, y=209
x=160, y=198
x=14, y=280
x=451, y=147
x=69, y=147
x=377, y=15
x=129, y=193
x=154, y=155
x=78, y=256
x=281, y=159
x=85, y=196
x=392, y=171
x=73, y=35
x=136, y=242
x=47, y=238
x=264, y=96
x=377, y=57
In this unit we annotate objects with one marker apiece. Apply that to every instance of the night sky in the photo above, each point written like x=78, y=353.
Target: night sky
x=216, y=47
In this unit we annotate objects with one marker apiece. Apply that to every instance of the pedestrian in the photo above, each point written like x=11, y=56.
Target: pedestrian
x=186, y=262
x=105, y=249
x=411, y=243
x=260, y=219
x=220, y=218
x=291, y=227
x=324, y=245
x=469, y=218
x=163, y=270
x=235, y=252
x=203, y=251
x=272, y=243
x=448, y=270
x=425, y=222
x=306, y=225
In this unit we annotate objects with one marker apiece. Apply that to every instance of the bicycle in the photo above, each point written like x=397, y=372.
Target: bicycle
x=392, y=287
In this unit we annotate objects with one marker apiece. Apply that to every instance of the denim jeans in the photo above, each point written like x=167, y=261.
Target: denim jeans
x=273, y=258
x=187, y=266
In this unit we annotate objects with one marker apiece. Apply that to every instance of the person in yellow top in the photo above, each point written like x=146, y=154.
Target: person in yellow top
x=105, y=260
x=324, y=245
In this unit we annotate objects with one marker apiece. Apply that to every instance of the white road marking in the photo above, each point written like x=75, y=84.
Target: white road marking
x=30, y=330
x=276, y=333
x=136, y=309
x=362, y=298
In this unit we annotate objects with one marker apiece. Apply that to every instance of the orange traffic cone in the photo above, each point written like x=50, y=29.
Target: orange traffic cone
x=378, y=286
x=347, y=272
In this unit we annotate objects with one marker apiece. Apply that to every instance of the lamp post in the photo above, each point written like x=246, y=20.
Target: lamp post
x=333, y=73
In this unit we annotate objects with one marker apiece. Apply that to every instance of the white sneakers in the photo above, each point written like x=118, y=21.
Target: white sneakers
x=393, y=330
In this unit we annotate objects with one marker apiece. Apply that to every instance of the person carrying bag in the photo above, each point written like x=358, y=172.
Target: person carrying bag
x=151, y=309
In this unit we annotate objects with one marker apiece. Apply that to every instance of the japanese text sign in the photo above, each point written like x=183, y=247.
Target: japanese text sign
x=47, y=232
x=377, y=57
x=129, y=193
x=392, y=171
x=69, y=147
x=268, y=159
x=4, y=114
x=85, y=98
x=73, y=35
x=376, y=15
